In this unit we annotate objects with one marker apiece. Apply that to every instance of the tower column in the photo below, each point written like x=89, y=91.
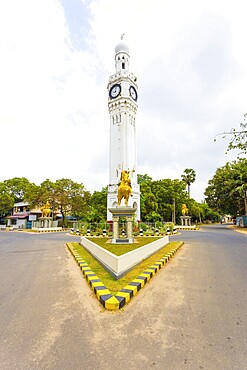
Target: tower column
x=129, y=227
x=115, y=228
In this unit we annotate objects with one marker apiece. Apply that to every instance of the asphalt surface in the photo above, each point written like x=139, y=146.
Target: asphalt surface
x=192, y=314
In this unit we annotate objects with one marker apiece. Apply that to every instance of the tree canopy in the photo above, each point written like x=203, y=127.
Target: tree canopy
x=237, y=137
x=158, y=198
x=6, y=200
x=64, y=196
x=18, y=188
x=161, y=200
x=70, y=198
x=226, y=191
x=98, y=206
x=143, y=178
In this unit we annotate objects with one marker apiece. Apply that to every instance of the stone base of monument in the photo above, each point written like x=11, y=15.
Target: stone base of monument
x=45, y=224
x=185, y=220
x=128, y=213
x=123, y=240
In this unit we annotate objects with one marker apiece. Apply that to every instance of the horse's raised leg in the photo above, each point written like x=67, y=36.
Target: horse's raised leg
x=119, y=199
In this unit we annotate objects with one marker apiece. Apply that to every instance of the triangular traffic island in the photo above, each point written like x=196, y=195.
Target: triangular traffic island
x=115, y=302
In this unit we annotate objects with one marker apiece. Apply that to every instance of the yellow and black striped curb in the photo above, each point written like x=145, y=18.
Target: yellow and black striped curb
x=190, y=228
x=115, y=302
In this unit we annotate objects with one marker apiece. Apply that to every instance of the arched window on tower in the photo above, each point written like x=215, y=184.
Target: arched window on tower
x=123, y=62
x=118, y=117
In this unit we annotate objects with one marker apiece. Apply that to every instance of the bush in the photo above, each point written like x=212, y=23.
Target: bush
x=169, y=225
x=143, y=226
x=159, y=225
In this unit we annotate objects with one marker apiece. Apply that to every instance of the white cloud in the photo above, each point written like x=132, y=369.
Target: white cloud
x=190, y=61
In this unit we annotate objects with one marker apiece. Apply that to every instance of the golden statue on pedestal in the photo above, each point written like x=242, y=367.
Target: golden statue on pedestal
x=124, y=188
x=184, y=210
x=46, y=210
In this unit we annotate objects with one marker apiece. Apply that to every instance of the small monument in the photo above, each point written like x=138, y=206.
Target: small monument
x=45, y=222
x=185, y=219
x=46, y=219
x=124, y=192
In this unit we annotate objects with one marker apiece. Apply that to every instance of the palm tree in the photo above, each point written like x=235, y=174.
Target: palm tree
x=189, y=177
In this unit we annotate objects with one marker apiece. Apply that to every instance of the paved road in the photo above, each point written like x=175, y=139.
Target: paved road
x=192, y=315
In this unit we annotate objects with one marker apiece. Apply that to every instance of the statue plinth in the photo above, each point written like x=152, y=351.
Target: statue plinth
x=45, y=222
x=185, y=220
x=122, y=211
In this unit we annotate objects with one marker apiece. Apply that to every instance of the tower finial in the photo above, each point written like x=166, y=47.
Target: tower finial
x=122, y=36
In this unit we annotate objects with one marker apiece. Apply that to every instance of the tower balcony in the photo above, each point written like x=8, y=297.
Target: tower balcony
x=123, y=74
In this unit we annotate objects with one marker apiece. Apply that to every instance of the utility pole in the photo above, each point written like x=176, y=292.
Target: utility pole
x=174, y=212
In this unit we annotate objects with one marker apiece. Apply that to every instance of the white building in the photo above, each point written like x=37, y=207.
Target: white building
x=22, y=216
x=122, y=106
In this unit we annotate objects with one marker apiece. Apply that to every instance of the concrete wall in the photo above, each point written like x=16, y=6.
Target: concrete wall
x=20, y=224
x=119, y=265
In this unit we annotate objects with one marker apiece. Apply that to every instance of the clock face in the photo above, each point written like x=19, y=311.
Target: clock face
x=133, y=93
x=115, y=91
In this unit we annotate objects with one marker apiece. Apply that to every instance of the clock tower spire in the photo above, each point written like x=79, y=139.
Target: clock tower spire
x=122, y=107
x=122, y=56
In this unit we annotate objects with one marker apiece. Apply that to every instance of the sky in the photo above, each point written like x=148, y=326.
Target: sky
x=56, y=57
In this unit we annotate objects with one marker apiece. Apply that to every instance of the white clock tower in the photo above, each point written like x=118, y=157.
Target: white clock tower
x=122, y=106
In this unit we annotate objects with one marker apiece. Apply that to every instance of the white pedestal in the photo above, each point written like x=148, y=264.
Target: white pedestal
x=185, y=220
x=127, y=212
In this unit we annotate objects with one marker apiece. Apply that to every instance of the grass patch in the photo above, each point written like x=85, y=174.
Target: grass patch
x=110, y=282
x=119, y=249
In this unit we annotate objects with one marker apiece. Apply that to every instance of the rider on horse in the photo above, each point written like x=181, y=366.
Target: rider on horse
x=124, y=188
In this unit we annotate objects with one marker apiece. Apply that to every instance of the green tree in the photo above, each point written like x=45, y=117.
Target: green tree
x=226, y=191
x=149, y=204
x=65, y=196
x=207, y=213
x=98, y=206
x=143, y=178
x=194, y=210
x=240, y=187
x=70, y=198
x=238, y=137
x=18, y=187
x=166, y=193
x=38, y=195
x=189, y=177
x=6, y=200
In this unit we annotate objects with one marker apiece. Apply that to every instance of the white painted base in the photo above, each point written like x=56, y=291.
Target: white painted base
x=179, y=227
x=119, y=265
x=47, y=228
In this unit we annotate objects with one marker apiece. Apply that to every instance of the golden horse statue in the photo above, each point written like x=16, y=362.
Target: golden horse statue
x=124, y=188
x=46, y=211
x=184, y=210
